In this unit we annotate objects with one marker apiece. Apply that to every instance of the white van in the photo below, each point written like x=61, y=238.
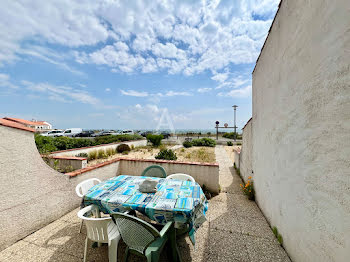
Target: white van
x=127, y=132
x=53, y=133
x=70, y=132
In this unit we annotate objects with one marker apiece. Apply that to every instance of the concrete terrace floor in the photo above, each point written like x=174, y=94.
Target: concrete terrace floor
x=236, y=230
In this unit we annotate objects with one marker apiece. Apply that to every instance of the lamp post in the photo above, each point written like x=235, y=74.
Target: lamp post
x=217, y=129
x=235, y=127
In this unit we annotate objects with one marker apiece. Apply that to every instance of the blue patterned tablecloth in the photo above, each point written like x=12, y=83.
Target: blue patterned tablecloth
x=175, y=200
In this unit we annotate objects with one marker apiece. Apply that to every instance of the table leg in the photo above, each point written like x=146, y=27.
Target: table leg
x=174, y=248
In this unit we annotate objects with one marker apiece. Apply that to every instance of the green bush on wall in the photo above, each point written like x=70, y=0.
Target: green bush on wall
x=123, y=148
x=156, y=140
x=166, y=154
x=231, y=135
x=187, y=144
x=204, y=142
x=49, y=144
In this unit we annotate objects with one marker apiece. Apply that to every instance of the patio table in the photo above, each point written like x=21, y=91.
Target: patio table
x=182, y=202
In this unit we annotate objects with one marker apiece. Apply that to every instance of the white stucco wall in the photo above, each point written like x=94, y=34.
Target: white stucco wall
x=301, y=129
x=207, y=175
x=245, y=164
x=31, y=193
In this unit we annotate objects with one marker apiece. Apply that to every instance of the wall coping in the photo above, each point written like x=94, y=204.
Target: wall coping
x=86, y=147
x=66, y=157
x=87, y=169
x=16, y=125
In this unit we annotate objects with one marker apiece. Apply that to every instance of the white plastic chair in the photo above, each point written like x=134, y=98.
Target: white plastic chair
x=100, y=230
x=83, y=187
x=180, y=176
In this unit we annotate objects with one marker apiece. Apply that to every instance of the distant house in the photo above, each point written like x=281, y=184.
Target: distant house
x=39, y=126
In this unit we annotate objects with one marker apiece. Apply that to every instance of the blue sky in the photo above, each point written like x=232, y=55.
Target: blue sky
x=120, y=64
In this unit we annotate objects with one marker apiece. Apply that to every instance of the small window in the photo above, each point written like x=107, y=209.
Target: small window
x=68, y=131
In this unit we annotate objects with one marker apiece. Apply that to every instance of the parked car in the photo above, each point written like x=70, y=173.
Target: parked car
x=165, y=134
x=52, y=133
x=127, y=132
x=105, y=133
x=70, y=132
x=86, y=133
x=144, y=134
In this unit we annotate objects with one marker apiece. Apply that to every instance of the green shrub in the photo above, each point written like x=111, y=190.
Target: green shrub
x=275, y=231
x=82, y=155
x=122, y=148
x=229, y=143
x=50, y=144
x=239, y=144
x=187, y=144
x=101, y=154
x=280, y=239
x=166, y=154
x=156, y=140
x=277, y=235
x=204, y=142
x=125, y=152
x=231, y=135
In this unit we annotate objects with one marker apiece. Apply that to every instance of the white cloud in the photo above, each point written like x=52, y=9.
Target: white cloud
x=169, y=93
x=173, y=93
x=5, y=81
x=220, y=77
x=242, y=92
x=61, y=93
x=108, y=90
x=134, y=93
x=186, y=37
x=204, y=89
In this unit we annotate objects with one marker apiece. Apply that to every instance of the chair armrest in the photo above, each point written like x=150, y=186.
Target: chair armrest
x=166, y=228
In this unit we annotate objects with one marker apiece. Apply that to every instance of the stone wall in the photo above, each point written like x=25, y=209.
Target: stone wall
x=301, y=123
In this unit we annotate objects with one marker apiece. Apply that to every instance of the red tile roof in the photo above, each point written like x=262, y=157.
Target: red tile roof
x=25, y=122
x=8, y=123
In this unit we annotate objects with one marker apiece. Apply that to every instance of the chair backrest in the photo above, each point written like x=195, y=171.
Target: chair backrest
x=136, y=233
x=181, y=177
x=83, y=187
x=154, y=171
x=98, y=229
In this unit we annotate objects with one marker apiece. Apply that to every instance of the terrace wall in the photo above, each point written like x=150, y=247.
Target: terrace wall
x=204, y=174
x=245, y=163
x=301, y=138
x=32, y=194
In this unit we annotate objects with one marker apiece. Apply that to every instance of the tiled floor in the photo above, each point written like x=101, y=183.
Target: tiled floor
x=236, y=230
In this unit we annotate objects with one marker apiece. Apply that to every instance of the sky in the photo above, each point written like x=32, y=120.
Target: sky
x=131, y=64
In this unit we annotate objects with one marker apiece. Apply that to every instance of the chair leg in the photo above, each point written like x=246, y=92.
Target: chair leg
x=153, y=257
x=113, y=250
x=126, y=254
x=86, y=247
x=81, y=225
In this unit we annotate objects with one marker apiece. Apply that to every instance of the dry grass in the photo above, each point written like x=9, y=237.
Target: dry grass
x=196, y=154
x=144, y=152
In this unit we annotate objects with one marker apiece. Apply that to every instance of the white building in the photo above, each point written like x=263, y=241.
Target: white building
x=39, y=126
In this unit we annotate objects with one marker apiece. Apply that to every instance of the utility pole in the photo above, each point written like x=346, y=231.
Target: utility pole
x=235, y=127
